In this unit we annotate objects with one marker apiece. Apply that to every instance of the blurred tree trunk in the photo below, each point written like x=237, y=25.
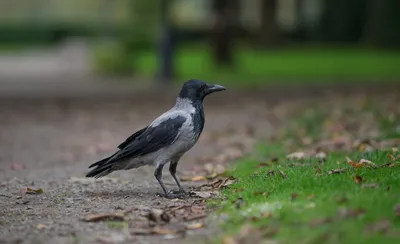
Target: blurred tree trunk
x=166, y=52
x=299, y=10
x=381, y=29
x=269, y=34
x=225, y=13
x=342, y=21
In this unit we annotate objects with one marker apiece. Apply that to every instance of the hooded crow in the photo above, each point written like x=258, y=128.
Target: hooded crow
x=165, y=140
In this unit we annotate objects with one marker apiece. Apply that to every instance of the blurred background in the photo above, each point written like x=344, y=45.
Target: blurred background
x=235, y=41
x=77, y=77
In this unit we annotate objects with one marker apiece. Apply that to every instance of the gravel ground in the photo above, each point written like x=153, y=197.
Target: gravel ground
x=49, y=144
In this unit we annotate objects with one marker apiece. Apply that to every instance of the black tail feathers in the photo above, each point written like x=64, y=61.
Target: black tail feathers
x=99, y=163
x=103, y=168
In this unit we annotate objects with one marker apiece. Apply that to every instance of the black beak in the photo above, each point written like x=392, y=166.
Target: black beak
x=214, y=88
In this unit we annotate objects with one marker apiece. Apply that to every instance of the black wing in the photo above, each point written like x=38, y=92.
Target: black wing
x=131, y=138
x=152, y=139
x=121, y=146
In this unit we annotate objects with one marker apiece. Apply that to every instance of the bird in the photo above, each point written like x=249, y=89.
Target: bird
x=165, y=140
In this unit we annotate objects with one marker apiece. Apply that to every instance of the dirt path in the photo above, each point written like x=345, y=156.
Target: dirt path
x=49, y=144
x=55, y=142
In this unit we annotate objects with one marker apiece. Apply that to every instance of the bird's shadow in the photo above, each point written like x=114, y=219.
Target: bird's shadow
x=127, y=194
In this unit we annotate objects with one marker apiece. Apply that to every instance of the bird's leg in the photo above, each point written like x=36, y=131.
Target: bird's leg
x=158, y=175
x=172, y=170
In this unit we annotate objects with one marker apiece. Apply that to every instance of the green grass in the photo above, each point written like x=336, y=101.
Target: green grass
x=291, y=65
x=16, y=47
x=331, y=193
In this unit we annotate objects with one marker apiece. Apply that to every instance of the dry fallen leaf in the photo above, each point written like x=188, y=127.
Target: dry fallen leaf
x=389, y=165
x=391, y=157
x=293, y=196
x=336, y=171
x=169, y=229
x=262, y=165
x=358, y=179
x=195, y=216
x=158, y=216
x=104, y=217
x=347, y=213
x=228, y=181
x=193, y=178
x=362, y=163
x=367, y=162
x=296, y=156
x=187, y=212
x=321, y=156
x=311, y=196
x=299, y=164
x=282, y=174
x=349, y=161
x=210, y=170
x=31, y=190
x=203, y=194
x=372, y=185
x=144, y=228
x=194, y=226
x=219, y=183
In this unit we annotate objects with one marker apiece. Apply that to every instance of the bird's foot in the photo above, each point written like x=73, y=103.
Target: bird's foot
x=173, y=194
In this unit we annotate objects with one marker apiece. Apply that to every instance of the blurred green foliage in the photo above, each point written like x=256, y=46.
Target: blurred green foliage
x=135, y=40
x=42, y=34
x=110, y=58
x=289, y=64
x=140, y=33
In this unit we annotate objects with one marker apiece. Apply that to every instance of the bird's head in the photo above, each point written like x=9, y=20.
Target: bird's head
x=196, y=90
